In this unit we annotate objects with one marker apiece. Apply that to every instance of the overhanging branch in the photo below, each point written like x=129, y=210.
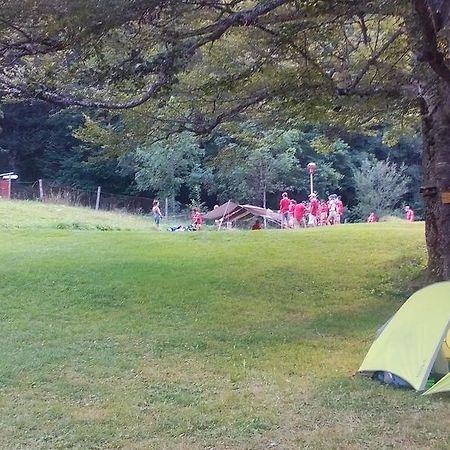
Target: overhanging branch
x=430, y=52
x=171, y=62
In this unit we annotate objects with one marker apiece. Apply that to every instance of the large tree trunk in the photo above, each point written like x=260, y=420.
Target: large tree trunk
x=432, y=73
x=435, y=114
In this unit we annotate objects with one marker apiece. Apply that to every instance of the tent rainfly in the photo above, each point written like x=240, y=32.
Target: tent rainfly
x=416, y=341
x=230, y=212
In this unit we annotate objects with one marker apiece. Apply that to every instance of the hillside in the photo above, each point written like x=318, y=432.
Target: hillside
x=217, y=340
x=36, y=215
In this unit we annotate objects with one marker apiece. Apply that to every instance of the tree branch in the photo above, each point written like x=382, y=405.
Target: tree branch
x=375, y=56
x=169, y=63
x=430, y=52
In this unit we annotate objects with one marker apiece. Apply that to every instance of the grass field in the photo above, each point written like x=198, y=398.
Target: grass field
x=116, y=336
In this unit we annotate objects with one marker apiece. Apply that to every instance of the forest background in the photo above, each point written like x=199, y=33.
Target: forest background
x=246, y=163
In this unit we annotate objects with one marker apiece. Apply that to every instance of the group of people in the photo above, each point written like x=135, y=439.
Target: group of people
x=311, y=213
x=409, y=215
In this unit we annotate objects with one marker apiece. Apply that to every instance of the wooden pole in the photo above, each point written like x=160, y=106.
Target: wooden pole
x=97, y=201
x=223, y=216
x=265, y=207
x=41, y=190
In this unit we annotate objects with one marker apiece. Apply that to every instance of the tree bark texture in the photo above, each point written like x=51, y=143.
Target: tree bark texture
x=435, y=115
x=432, y=74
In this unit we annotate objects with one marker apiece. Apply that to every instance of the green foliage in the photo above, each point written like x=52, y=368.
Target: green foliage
x=254, y=164
x=380, y=186
x=37, y=142
x=340, y=68
x=165, y=167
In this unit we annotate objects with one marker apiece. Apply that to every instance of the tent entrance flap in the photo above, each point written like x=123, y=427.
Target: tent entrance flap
x=443, y=385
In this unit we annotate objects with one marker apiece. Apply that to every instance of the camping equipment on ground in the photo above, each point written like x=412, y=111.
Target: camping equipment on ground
x=415, y=343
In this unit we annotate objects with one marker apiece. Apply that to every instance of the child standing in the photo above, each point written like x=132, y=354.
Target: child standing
x=197, y=219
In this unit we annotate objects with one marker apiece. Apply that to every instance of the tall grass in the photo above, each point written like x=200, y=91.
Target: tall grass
x=35, y=215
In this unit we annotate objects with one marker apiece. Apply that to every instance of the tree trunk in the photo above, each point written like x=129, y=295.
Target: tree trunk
x=432, y=76
x=435, y=114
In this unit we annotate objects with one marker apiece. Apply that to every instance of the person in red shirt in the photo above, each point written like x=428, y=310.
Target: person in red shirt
x=323, y=213
x=409, y=214
x=256, y=225
x=197, y=219
x=292, y=206
x=372, y=218
x=284, y=210
x=299, y=215
x=313, y=210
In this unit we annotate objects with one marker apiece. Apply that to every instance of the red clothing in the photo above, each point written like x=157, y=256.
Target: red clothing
x=314, y=206
x=299, y=211
x=372, y=218
x=324, y=208
x=284, y=205
x=340, y=207
x=197, y=218
x=409, y=215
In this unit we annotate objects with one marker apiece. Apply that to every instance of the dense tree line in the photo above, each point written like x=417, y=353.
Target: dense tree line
x=249, y=164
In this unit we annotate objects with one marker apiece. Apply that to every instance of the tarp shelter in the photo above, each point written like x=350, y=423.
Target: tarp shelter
x=221, y=211
x=416, y=341
x=230, y=212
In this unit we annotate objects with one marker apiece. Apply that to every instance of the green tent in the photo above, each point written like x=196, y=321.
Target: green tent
x=416, y=341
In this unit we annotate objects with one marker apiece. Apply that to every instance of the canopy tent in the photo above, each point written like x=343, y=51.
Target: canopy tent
x=416, y=341
x=230, y=212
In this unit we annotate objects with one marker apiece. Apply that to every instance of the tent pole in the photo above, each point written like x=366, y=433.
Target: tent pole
x=224, y=214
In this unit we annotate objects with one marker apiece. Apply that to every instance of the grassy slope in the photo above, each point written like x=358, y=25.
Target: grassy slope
x=34, y=215
x=138, y=339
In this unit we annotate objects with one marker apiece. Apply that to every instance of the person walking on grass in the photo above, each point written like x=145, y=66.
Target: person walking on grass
x=157, y=216
x=313, y=210
x=284, y=210
x=299, y=215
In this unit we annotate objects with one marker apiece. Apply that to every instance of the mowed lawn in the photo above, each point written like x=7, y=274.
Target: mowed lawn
x=121, y=337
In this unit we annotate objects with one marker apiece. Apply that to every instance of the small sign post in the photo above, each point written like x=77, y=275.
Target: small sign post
x=445, y=197
x=8, y=176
